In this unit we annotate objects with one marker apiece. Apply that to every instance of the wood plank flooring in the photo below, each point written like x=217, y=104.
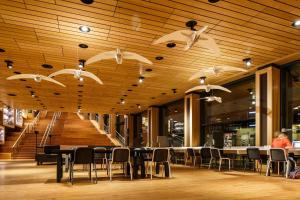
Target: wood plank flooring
x=25, y=180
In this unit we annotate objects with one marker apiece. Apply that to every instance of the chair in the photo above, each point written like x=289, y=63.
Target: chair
x=85, y=156
x=278, y=155
x=160, y=156
x=205, y=156
x=191, y=153
x=120, y=155
x=253, y=155
x=216, y=156
x=100, y=158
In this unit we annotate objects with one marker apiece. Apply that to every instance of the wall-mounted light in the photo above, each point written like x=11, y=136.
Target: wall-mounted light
x=9, y=64
x=247, y=62
x=141, y=79
x=202, y=80
x=81, y=64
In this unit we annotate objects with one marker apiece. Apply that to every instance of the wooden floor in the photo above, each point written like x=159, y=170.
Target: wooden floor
x=25, y=180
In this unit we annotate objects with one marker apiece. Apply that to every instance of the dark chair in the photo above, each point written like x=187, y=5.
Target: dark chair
x=100, y=158
x=49, y=154
x=193, y=154
x=85, y=156
x=205, y=156
x=278, y=155
x=253, y=155
x=160, y=156
x=120, y=155
x=216, y=156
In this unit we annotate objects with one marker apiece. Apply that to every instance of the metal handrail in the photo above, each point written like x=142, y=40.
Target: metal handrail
x=120, y=138
x=49, y=128
x=28, y=128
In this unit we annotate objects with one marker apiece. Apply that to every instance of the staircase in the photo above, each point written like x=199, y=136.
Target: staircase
x=27, y=147
x=71, y=130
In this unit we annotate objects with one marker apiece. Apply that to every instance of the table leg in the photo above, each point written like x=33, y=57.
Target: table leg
x=59, y=168
x=135, y=166
x=167, y=173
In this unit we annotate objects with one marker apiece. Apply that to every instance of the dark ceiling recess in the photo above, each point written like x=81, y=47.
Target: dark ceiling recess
x=47, y=66
x=134, y=85
x=28, y=86
x=191, y=24
x=87, y=1
x=62, y=107
x=213, y=1
x=152, y=97
x=2, y=50
x=163, y=93
x=11, y=94
x=130, y=90
x=148, y=70
x=17, y=72
x=84, y=46
x=80, y=91
x=171, y=45
x=56, y=93
x=159, y=58
x=80, y=85
x=22, y=79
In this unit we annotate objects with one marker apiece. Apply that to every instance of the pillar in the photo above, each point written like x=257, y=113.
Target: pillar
x=112, y=125
x=192, y=120
x=267, y=85
x=153, y=128
x=129, y=130
x=101, y=121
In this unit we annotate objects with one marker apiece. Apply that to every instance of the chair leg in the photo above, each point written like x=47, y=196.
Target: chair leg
x=287, y=169
x=90, y=171
x=220, y=164
x=130, y=170
x=268, y=168
x=194, y=161
x=260, y=162
x=210, y=161
x=95, y=168
x=170, y=176
x=151, y=170
x=110, y=171
x=229, y=164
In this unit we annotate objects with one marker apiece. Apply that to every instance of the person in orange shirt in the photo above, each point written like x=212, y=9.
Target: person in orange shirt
x=282, y=141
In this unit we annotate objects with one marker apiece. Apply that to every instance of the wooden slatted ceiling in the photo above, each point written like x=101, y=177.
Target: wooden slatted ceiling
x=34, y=32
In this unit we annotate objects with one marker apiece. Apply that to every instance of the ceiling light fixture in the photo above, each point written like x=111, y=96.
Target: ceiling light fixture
x=296, y=23
x=159, y=58
x=87, y=1
x=141, y=79
x=138, y=106
x=32, y=94
x=202, y=80
x=83, y=46
x=171, y=45
x=247, y=62
x=174, y=90
x=122, y=101
x=81, y=79
x=2, y=50
x=9, y=64
x=213, y=1
x=81, y=63
x=84, y=29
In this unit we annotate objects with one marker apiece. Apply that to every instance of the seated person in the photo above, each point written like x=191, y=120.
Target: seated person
x=281, y=141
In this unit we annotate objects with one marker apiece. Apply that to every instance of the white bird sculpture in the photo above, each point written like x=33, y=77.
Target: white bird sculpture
x=207, y=88
x=191, y=38
x=119, y=56
x=213, y=98
x=77, y=74
x=215, y=71
x=37, y=77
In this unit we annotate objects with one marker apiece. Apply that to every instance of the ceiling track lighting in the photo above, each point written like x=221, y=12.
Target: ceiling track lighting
x=247, y=62
x=9, y=64
x=202, y=80
x=81, y=63
x=141, y=79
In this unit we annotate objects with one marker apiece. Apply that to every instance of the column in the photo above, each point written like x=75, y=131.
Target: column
x=129, y=130
x=101, y=121
x=153, y=128
x=112, y=125
x=267, y=105
x=192, y=120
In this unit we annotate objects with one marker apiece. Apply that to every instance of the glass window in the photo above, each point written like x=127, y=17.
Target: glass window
x=232, y=122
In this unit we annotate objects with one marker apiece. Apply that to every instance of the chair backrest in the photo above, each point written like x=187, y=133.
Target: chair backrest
x=215, y=153
x=190, y=152
x=278, y=154
x=99, y=155
x=253, y=153
x=83, y=155
x=205, y=152
x=49, y=149
x=160, y=155
x=121, y=154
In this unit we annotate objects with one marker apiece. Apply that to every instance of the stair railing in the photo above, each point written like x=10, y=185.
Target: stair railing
x=29, y=127
x=120, y=138
x=49, y=129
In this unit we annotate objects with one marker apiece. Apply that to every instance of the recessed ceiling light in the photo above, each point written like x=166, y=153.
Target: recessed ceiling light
x=80, y=85
x=159, y=58
x=81, y=63
x=80, y=95
x=84, y=29
x=130, y=90
x=87, y=1
x=11, y=94
x=152, y=97
x=148, y=70
x=247, y=62
x=83, y=46
x=296, y=23
x=80, y=91
x=125, y=95
x=28, y=86
x=17, y=72
x=32, y=94
x=9, y=64
x=163, y=93
x=2, y=50
x=134, y=85
x=61, y=107
x=122, y=101
x=47, y=66
x=56, y=93
x=174, y=90
x=202, y=80
x=138, y=106
x=81, y=79
x=22, y=79
x=141, y=79
x=171, y=45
